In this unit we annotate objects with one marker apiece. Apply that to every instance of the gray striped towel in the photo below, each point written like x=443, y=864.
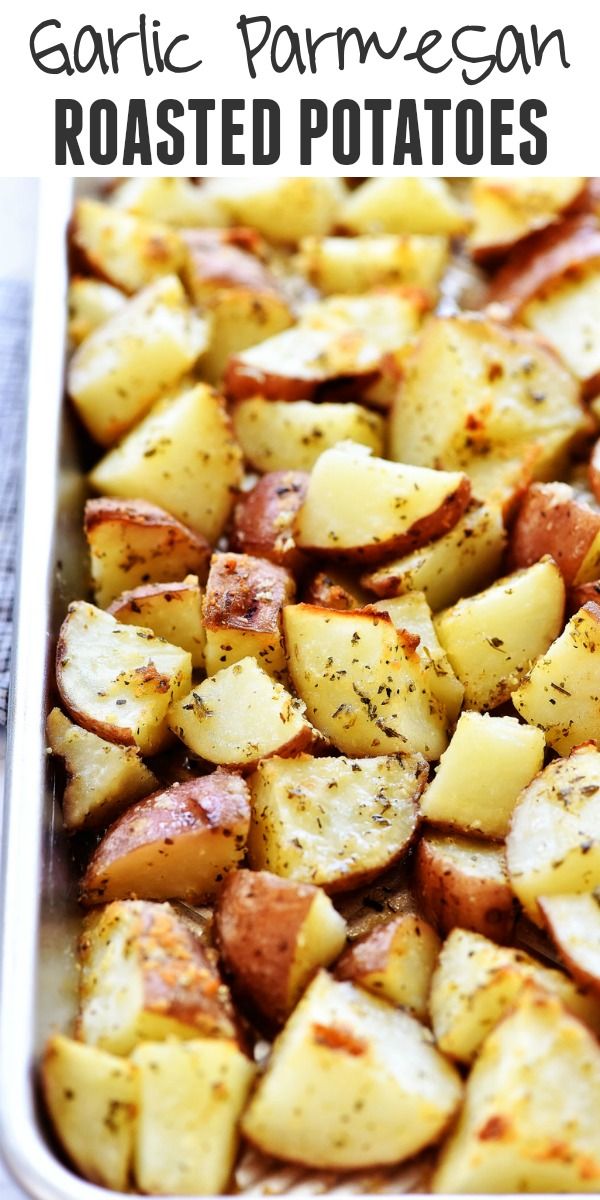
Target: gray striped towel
x=14, y=328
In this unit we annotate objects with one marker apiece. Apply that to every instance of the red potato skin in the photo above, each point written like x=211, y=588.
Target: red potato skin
x=246, y=593
x=213, y=802
x=550, y=522
x=450, y=899
x=130, y=601
x=543, y=258
x=139, y=513
x=263, y=518
x=226, y=258
x=371, y=952
x=241, y=381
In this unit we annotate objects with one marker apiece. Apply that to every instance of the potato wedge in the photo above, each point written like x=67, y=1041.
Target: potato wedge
x=178, y=843
x=463, y=882
x=411, y=615
x=242, y=612
x=282, y=209
x=403, y=205
x=172, y=611
x=561, y=693
x=125, y=250
x=455, y=565
x=506, y=210
x=191, y=1096
x=364, y=686
x=263, y=518
x=133, y=358
x=553, y=846
x=183, y=457
x=395, y=962
x=274, y=935
x=482, y=774
x=515, y=410
x=336, y=822
x=476, y=983
x=102, y=778
x=529, y=1122
x=384, y=1090
x=91, y=303
x=119, y=680
x=361, y=507
x=278, y=436
x=174, y=201
x=240, y=715
x=573, y=923
x=91, y=1098
x=356, y=264
x=554, y=520
x=132, y=542
x=145, y=975
x=559, y=250
x=491, y=639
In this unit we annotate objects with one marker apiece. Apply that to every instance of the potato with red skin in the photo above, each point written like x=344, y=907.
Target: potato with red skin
x=334, y=588
x=225, y=258
x=462, y=882
x=554, y=520
x=395, y=961
x=544, y=258
x=264, y=518
x=172, y=611
x=273, y=936
x=177, y=843
x=242, y=612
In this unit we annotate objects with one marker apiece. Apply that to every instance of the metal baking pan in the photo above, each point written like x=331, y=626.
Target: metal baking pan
x=39, y=916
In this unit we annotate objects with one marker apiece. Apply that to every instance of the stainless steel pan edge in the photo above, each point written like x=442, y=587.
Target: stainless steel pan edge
x=22, y=1142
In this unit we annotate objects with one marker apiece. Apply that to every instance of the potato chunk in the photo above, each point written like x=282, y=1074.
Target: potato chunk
x=403, y=205
x=384, y=1090
x=242, y=612
x=554, y=842
x=364, y=687
x=506, y=210
x=337, y=822
x=465, y=882
x=278, y=436
x=180, y=842
x=263, y=520
x=482, y=774
x=366, y=508
x=173, y=200
x=273, y=935
x=133, y=358
x=133, y=542
x=554, y=520
x=91, y=303
x=476, y=983
x=119, y=680
x=529, y=1123
x=395, y=961
x=123, y=249
x=343, y=264
x=573, y=923
x=282, y=209
x=91, y=1098
x=240, y=715
x=144, y=975
x=102, y=778
x=561, y=693
x=411, y=615
x=491, y=639
x=183, y=457
x=191, y=1095
x=455, y=565
x=172, y=611
x=566, y=316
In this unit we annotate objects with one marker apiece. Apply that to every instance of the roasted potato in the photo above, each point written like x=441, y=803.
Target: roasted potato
x=476, y=983
x=356, y=264
x=337, y=822
x=174, y=201
x=491, y=639
x=507, y=210
x=172, y=611
x=178, y=843
x=384, y=1090
x=281, y=209
x=365, y=508
x=334, y=588
x=395, y=961
x=561, y=692
x=92, y=1100
x=183, y=457
x=529, y=1121
x=403, y=205
x=553, y=846
x=263, y=519
x=482, y=774
x=573, y=923
x=135, y=357
x=119, y=680
x=463, y=882
x=242, y=612
x=120, y=248
x=102, y=778
x=145, y=976
x=278, y=436
x=411, y=615
x=274, y=935
x=559, y=250
x=240, y=715
x=132, y=542
x=554, y=520
x=91, y=303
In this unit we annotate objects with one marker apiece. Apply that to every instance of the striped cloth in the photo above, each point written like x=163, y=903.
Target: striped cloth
x=14, y=327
